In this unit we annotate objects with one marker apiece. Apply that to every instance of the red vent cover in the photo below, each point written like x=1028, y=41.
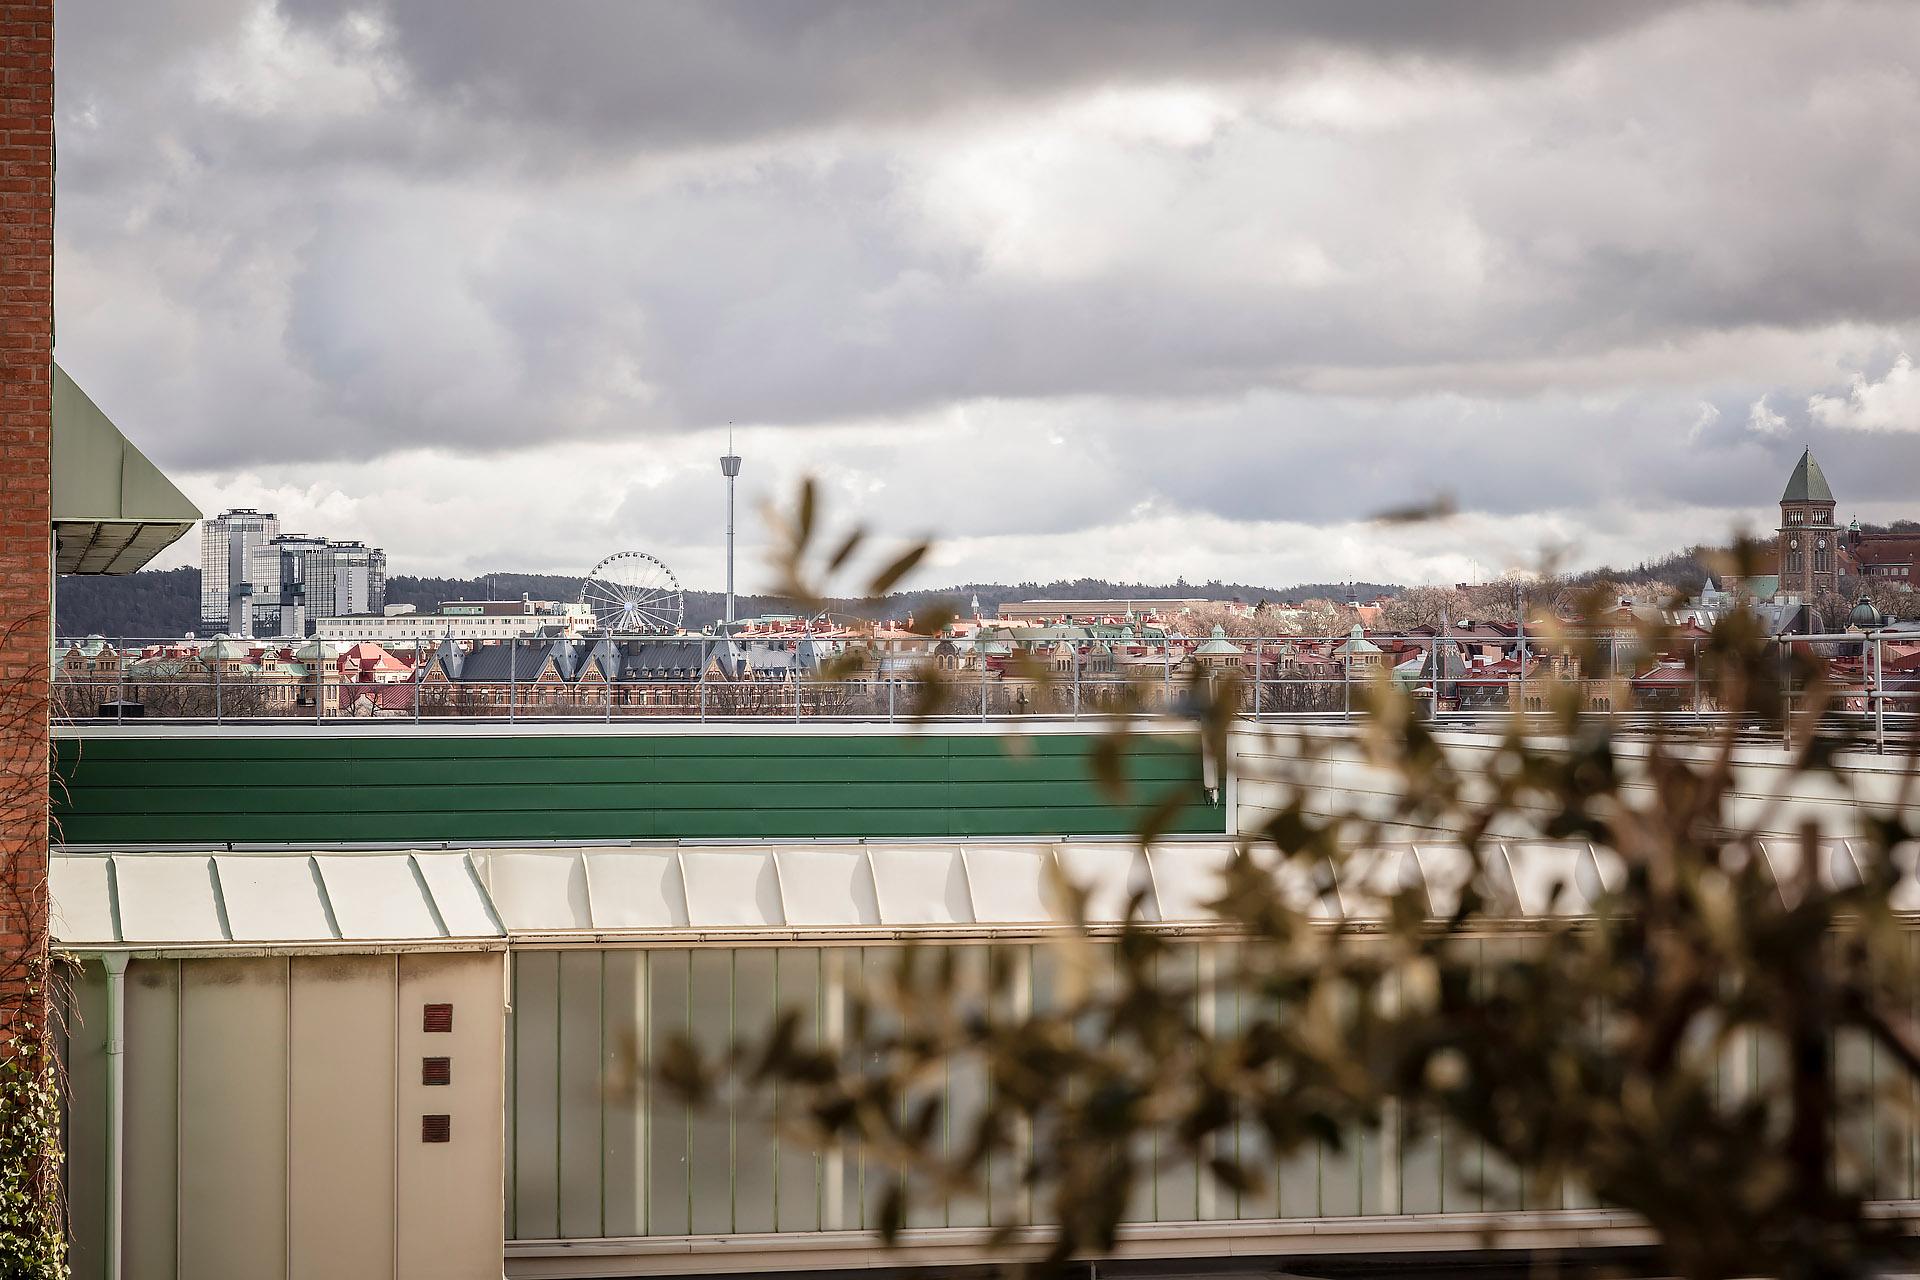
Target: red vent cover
x=438, y=1017
x=436, y=1071
x=436, y=1128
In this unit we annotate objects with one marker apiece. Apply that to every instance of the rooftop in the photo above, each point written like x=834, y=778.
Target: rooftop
x=1807, y=483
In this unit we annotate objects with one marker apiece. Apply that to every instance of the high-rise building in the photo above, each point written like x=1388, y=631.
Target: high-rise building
x=228, y=546
x=313, y=578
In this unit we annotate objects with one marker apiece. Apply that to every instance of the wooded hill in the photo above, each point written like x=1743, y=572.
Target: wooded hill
x=166, y=603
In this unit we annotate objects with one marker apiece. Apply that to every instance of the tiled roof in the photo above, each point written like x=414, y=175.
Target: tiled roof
x=655, y=660
x=1888, y=548
x=512, y=661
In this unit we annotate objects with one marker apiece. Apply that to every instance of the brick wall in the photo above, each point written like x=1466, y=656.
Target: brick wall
x=26, y=451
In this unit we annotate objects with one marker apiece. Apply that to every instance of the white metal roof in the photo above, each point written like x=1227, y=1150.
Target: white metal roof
x=186, y=900
x=288, y=900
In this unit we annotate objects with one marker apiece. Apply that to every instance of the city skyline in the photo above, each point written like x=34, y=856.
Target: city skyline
x=1074, y=291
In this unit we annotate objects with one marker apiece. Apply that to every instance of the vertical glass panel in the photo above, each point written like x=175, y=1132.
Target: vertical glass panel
x=580, y=1094
x=1048, y=997
x=798, y=1190
x=536, y=1094
x=1896, y=1119
x=1299, y=1182
x=1376, y=1150
x=1421, y=1153
x=1909, y=987
x=1219, y=1015
x=710, y=1129
x=667, y=1205
x=1340, y=1176
x=967, y=1083
x=925, y=1210
x=1504, y=1191
x=1854, y=1140
x=1177, y=1174
x=1461, y=1152
x=756, y=1145
x=1012, y=969
x=1140, y=1196
x=877, y=965
x=623, y=1052
x=841, y=980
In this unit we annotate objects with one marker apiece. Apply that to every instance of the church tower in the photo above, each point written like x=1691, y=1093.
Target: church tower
x=1809, y=539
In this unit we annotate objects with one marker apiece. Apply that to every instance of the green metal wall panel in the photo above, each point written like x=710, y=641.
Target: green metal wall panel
x=216, y=787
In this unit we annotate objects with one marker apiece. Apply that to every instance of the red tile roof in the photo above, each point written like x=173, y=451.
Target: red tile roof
x=1888, y=548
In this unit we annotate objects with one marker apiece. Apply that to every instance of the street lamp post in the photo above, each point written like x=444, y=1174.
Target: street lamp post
x=730, y=468
x=1867, y=618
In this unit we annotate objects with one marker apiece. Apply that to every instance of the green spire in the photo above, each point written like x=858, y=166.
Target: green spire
x=1807, y=484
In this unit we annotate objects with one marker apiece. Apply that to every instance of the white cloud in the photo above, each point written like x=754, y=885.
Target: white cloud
x=1708, y=415
x=1763, y=421
x=1891, y=404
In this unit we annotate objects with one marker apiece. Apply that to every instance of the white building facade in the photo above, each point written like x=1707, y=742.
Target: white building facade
x=475, y=620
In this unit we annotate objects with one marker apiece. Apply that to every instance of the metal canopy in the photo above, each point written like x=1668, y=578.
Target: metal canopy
x=113, y=510
x=788, y=890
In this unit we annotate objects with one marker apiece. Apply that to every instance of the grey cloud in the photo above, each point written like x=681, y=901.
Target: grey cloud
x=487, y=247
x=662, y=73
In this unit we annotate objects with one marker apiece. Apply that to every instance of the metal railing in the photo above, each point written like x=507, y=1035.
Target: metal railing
x=1272, y=679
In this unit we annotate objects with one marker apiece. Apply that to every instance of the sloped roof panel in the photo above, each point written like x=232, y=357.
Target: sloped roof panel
x=1906, y=890
x=1186, y=877
x=730, y=889
x=273, y=899
x=1110, y=874
x=921, y=884
x=637, y=889
x=457, y=892
x=80, y=891
x=1366, y=882
x=1009, y=883
x=1547, y=878
x=167, y=898
x=378, y=897
x=544, y=889
x=827, y=886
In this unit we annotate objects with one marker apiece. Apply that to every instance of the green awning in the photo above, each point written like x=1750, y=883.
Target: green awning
x=113, y=510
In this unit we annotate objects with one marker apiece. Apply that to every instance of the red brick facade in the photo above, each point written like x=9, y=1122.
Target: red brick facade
x=26, y=470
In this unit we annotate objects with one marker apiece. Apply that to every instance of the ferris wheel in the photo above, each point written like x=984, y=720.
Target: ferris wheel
x=631, y=593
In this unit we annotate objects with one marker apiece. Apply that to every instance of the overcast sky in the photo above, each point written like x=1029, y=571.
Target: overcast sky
x=1082, y=287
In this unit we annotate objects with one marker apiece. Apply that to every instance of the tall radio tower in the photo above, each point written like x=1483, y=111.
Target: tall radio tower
x=730, y=468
